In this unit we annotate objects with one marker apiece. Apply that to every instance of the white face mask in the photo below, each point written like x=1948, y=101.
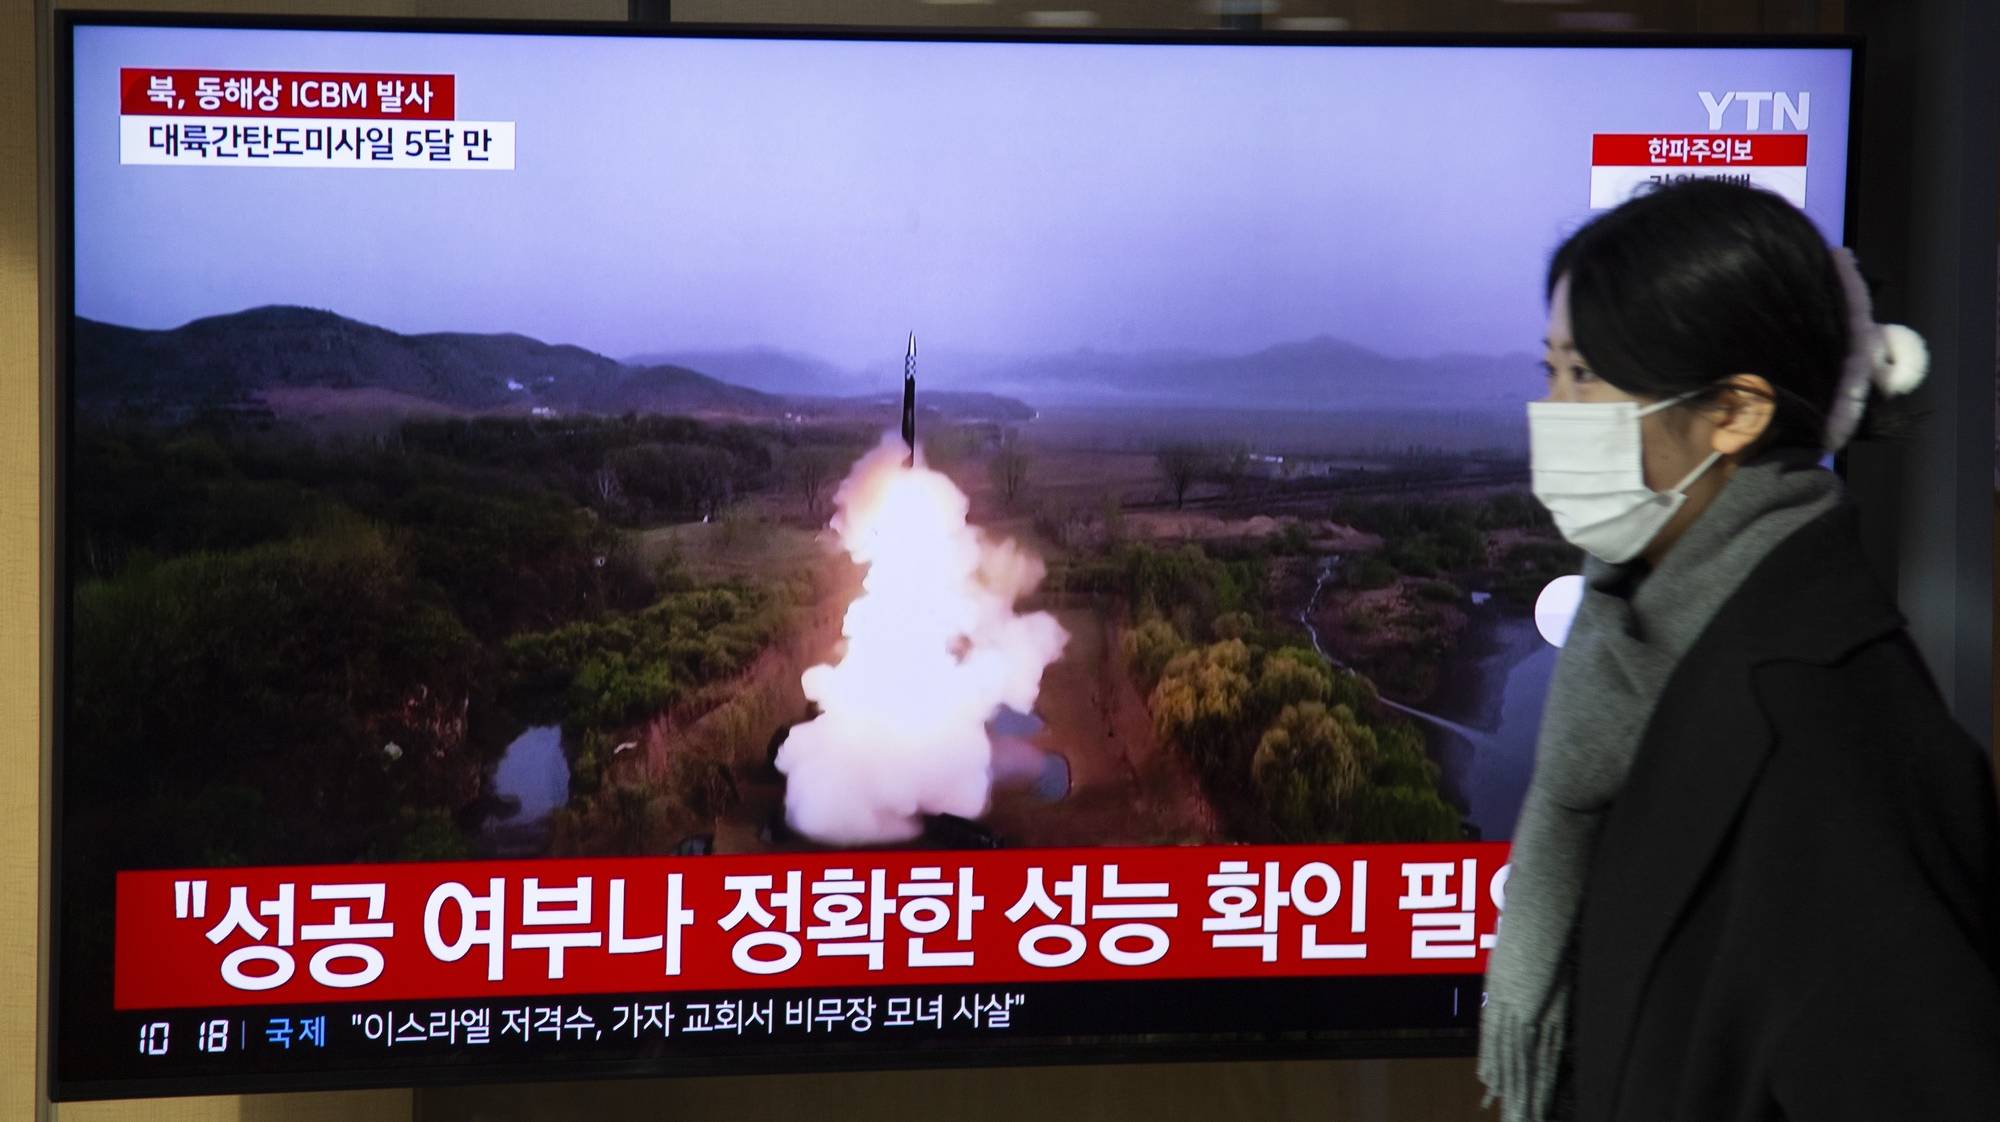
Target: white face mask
x=1588, y=467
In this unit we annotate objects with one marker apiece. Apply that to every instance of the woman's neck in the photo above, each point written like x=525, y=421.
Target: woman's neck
x=1700, y=494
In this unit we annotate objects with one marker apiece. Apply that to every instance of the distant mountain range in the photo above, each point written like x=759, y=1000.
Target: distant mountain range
x=771, y=370
x=231, y=359
x=280, y=354
x=1321, y=374
x=286, y=354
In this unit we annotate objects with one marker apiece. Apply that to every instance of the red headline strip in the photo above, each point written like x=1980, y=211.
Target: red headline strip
x=618, y=925
x=1652, y=149
x=154, y=92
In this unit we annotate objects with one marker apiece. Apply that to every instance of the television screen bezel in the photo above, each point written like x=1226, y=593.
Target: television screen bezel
x=444, y=1073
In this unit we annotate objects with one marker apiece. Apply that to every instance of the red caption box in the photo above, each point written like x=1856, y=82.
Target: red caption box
x=152, y=92
x=876, y=917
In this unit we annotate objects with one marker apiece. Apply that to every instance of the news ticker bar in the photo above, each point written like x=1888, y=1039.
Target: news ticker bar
x=719, y=1025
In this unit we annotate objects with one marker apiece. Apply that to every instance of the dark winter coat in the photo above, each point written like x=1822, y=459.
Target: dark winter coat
x=1793, y=907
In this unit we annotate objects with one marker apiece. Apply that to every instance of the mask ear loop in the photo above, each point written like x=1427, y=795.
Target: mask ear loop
x=1685, y=483
x=1669, y=402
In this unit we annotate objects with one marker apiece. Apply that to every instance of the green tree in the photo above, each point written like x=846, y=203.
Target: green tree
x=1149, y=647
x=1188, y=584
x=1200, y=700
x=1368, y=571
x=1401, y=802
x=279, y=671
x=1308, y=766
x=1292, y=676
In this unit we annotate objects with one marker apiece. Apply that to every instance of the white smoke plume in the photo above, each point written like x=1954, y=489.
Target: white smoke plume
x=934, y=649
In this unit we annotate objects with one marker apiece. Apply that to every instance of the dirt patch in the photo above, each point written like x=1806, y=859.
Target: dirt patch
x=1126, y=788
x=1171, y=525
x=1334, y=537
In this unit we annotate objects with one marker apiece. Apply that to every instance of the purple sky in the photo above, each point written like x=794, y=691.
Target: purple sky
x=829, y=197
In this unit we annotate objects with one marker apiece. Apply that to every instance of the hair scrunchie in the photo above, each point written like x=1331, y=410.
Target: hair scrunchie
x=1888, y=356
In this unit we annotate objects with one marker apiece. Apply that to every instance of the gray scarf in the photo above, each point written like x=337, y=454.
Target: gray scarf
x=1625, y=642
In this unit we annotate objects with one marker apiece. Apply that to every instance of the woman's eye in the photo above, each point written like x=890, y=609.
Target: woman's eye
x=1548, y=371
x=1583, y=375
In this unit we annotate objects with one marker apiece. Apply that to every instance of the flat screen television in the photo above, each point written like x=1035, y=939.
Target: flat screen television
x=588, y=551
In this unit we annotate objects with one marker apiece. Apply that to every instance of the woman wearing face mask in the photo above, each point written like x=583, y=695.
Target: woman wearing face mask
x=1757, y=872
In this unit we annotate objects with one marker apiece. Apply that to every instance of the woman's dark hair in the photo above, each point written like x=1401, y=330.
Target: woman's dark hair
x=1694, y=281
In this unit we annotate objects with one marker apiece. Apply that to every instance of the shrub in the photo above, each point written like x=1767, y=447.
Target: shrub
x=1439, y=592
x=1200, y=699
x=1149, y=647
x=1308, y=766
x=1368, y=571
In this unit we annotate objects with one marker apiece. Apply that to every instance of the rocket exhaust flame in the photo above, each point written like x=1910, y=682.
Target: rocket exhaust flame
x=934, y=649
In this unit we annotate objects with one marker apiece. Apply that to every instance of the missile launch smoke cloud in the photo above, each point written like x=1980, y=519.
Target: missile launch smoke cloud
x=934, y=648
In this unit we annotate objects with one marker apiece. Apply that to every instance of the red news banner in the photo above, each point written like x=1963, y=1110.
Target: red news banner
x=170, y=117
x=284, y=93
x=254, y=936
x=1650, y=149
x=1621, y=163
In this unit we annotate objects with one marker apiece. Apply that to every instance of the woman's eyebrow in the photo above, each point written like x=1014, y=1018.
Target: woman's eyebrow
x=1566, y=346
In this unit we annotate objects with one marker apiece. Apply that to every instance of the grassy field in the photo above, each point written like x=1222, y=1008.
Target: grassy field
x=735, y=546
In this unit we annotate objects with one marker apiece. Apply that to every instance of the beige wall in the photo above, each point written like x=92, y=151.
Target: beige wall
x=1353, y=1091
x=1406, y=1091
x=20, y=567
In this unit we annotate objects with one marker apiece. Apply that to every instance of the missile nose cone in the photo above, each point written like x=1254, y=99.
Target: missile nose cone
x=912, y=352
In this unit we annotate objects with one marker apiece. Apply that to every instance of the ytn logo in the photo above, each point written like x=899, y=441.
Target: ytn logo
x=1784, y=110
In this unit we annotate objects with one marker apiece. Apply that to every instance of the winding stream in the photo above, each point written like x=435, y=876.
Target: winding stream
x=1327, y=569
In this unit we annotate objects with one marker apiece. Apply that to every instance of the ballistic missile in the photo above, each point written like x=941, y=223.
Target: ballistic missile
x=910, y=402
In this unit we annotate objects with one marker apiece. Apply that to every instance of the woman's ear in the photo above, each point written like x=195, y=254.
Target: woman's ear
x=1742, y=413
